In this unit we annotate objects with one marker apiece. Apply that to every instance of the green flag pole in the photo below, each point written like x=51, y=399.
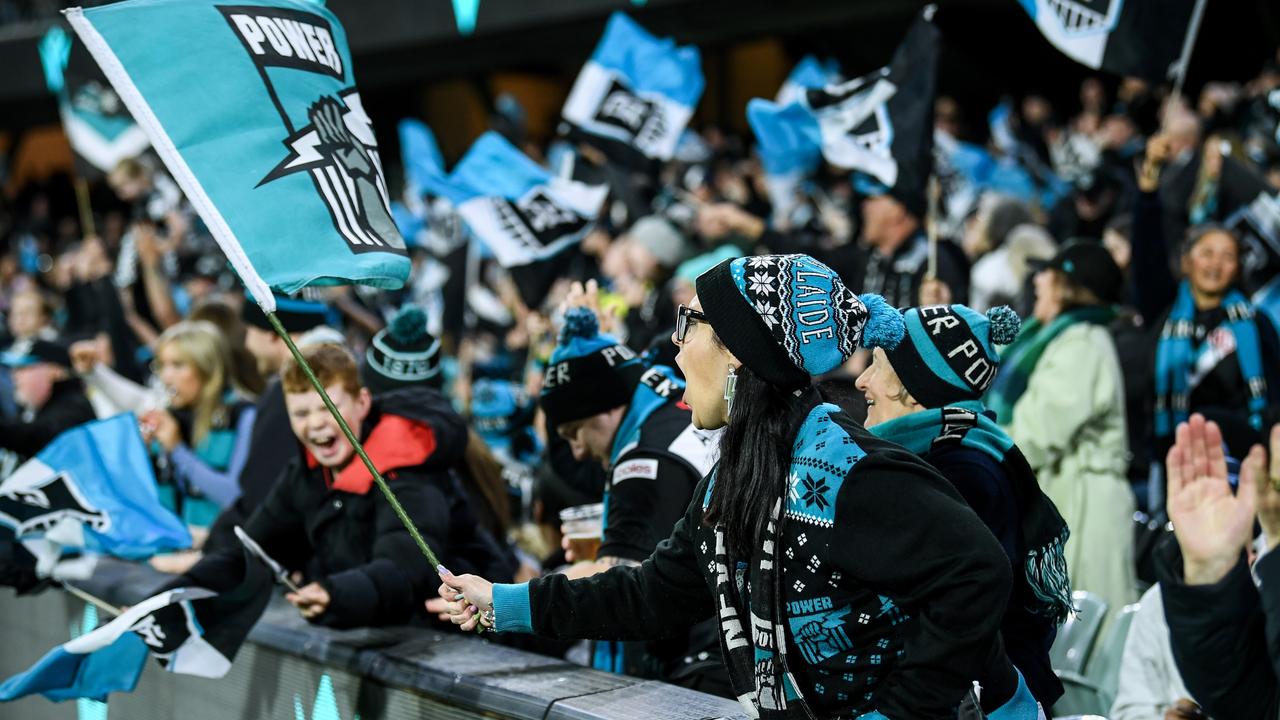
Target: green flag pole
x=355, y=443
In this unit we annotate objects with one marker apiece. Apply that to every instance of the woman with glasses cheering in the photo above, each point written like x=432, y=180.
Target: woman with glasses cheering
x=849, y=579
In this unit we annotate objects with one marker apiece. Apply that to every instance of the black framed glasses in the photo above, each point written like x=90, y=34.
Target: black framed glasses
x=685, y=317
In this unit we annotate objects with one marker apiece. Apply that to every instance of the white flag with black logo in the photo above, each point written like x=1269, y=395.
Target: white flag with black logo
x=517, y=208
x=1125, y=37
x=637, y=92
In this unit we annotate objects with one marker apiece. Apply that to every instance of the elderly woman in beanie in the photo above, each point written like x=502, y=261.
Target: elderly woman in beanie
x=926, y=395
x=1060, y=396
x=849, y=578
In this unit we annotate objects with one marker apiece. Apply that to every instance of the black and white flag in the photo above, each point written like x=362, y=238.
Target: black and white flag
x=881, y=124
x=518, y=209
x=636, y=92
x=1125, y=37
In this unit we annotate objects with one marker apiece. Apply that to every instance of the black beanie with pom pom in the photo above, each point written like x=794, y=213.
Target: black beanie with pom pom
x=590, y=372
x=403, y=354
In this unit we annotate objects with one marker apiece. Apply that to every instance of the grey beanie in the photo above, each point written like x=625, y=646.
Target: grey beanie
x=662, y=239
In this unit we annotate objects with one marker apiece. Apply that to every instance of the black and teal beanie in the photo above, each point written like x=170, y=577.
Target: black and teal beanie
x=948, y=353
x=403, y=354
x=789, y=317
x=589, y=372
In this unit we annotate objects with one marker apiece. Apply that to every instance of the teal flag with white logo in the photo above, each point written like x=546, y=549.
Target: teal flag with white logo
x=254, y=109
x=99, y=128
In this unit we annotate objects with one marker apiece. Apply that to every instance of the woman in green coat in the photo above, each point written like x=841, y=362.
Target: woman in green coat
x=1060, y=395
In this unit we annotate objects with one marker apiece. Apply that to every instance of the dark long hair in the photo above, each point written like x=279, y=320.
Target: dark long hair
x=755, y=454
x=489, y=487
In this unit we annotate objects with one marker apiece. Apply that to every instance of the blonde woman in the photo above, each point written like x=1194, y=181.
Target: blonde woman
x=202, y=439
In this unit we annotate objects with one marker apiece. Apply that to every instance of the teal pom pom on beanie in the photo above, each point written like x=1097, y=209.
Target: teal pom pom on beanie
x=1004, y=325
x=949, y=352
x=589, y=372
x=885, y=326
x=409, y=326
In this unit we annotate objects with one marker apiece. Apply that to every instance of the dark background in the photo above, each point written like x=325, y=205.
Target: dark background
x=411, y=60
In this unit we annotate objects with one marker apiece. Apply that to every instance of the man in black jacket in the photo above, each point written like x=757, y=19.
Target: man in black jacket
x=1224, y=625
x=52, y=399
x=325, y=519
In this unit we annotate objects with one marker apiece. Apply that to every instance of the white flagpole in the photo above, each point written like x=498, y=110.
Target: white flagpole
x=1184, y=59
x=99, y=603
x=931, y=227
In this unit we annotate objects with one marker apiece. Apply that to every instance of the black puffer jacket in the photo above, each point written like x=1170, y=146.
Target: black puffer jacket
x=338, y=530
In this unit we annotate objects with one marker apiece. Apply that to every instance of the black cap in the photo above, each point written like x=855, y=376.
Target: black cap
x=33, y=351
x=1090, y=266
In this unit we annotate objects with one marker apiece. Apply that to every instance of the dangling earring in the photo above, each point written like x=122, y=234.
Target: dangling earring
x=730, y=389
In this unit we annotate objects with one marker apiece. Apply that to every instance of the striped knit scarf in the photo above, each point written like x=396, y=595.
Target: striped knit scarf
x=1177, y=360
x=753, y=636
x=1044, y=533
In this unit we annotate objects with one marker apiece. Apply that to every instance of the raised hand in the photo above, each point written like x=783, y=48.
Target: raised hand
x=1212, y=524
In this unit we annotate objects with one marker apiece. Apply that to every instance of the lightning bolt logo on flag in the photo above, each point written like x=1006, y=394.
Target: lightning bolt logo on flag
x=254, y=110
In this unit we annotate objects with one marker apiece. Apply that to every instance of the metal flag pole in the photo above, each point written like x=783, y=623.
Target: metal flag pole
x=931, y=228
x=1184, y=58
x=99, y=603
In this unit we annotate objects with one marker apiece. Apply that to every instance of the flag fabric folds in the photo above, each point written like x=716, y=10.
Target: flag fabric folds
x=92, y=488
x=99, y=128
x=880, y=124
x=255, y=111
x=1125, y=37
x=637, y=91
x=808, y=73
x=188, y=630
x=516, y=207
x=109, y=659
x=421, y=157
x=787, y=137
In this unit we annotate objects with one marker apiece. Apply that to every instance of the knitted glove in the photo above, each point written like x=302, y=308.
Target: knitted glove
x=1022, y=706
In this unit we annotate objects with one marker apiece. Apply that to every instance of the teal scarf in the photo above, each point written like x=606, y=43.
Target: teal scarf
x=1044, y=533
x=1019, y=360
x=1177, y=359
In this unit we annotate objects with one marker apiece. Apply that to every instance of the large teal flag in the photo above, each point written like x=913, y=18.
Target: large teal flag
x=254, y=109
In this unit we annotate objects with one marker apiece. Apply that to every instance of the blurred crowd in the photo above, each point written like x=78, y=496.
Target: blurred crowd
x=1137, y=239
